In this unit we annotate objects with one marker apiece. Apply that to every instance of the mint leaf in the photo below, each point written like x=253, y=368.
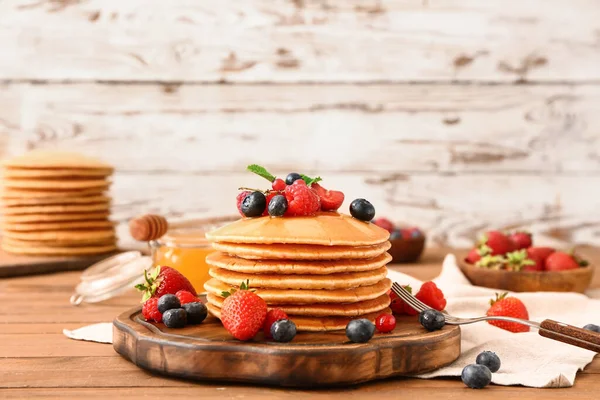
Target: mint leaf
x=261, y=171
x=309, y=181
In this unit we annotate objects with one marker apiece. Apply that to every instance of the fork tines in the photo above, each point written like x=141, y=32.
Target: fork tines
x=409, y=298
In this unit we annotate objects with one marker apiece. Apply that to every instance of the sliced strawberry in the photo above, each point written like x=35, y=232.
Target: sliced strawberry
x=331, y=200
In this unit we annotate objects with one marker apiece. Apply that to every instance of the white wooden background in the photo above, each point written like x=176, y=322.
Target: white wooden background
x=452, y=115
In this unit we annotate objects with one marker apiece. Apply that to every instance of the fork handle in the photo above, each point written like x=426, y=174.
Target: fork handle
x=570, y=334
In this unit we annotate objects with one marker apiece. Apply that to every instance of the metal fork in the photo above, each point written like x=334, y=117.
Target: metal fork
x=548, y=328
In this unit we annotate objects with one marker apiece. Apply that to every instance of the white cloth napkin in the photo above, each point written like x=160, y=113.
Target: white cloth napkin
x=101, y=333
x=527, y=358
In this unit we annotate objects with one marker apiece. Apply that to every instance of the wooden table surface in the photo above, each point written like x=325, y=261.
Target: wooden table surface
x=39, y=362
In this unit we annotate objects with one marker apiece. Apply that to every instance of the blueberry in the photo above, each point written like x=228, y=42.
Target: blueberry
x=278, y=206
x=283, y=330
x=168, y=302
x=292, y=177
x=362, y=209
x=196, y=312
x=415, y=234
x=476, y=376
x=360, y=330
x=396, y=234
x=432, y=320
x=490, y=360
x=175, y=318
x=254, y=204
x=592, y=327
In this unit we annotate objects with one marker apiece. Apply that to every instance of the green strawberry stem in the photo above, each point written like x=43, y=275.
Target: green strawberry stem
x=149, y=288
x=499, y=297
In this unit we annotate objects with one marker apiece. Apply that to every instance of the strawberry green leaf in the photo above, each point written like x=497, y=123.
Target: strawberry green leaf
x=261, y=171
x=309, y=181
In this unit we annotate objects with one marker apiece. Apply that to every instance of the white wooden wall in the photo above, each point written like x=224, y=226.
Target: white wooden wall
x=452, y=115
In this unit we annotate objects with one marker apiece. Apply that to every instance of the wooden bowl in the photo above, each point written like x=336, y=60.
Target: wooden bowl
x=406, y=250
x=573, y=280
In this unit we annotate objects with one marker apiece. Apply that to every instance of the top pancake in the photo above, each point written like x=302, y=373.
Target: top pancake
x=328, y=229
x=54, y=159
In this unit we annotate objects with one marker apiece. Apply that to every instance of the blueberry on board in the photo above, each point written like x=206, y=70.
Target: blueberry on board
x=362, y=209
x=254, y=204
x=196, y=312
x=432, y=320
x=360, y=330
x=175, y=318
x=476, y=376
x=592, y=327
x=283, y=330
x=168, y=302
x=489, y=359
x=292, y=177
x=278, y=206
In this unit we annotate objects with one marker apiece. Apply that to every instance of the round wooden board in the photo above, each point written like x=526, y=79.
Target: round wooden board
x=208, y=352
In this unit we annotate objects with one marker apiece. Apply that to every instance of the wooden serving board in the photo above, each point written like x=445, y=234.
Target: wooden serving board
x=18, y=265
x=208, y=352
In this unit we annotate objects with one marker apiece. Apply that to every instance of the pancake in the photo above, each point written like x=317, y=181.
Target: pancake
x=44, y=201
x=10, y=173
x=57, y=226
x=55, y=159
x=56, y=208
x=328, y=229
x=300, y=251
x=284, y=267
x=298, y=296
x=344, y=280
x=79, y=235
x=324, y=310
x=314, y=324
x=56, y=184
x=75, y=242
x=57, y=251
x=16, y=194
x=35, y=218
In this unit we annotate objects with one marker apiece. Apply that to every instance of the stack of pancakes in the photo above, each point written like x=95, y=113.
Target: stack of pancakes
x=322, y=271
x=54, y=203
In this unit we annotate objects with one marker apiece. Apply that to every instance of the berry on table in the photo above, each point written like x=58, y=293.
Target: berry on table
x=243, y=313
x=254, y=204
x=272, y=316
x=196, y=312
x=331, y=200
x=278, y=206
x=431, y=295
x=240, y=198
x=592, y=327
x=150, y=310
x=292, y=177
x=360, y=330
x=476, y=376
x=168, y=302
x=489, y=359
x=278, y=185
x=164, y=280
x=362, y=209
x=175, y=318
x=385, y=224
x=432, y=320
x=385, y=323
x=186, y=297
x=283, y=330
x=397, y=304
x=508, y=307
x=301, y=199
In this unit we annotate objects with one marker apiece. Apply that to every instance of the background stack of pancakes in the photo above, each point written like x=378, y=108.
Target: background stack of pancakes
x=54, y=203
x=322, y=271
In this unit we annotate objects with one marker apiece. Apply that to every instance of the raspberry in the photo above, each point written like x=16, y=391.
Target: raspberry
x=269, y=197
x=150, y=310
x=301, y=199
x=272, y=317
x=186, y=297
x=240, y=197
x=278, y=185
x=431, y=295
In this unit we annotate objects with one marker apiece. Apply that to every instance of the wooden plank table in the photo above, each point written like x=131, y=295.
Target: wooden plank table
x=37, y=361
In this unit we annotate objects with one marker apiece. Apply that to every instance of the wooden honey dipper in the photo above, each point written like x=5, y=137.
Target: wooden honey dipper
x=148, y=227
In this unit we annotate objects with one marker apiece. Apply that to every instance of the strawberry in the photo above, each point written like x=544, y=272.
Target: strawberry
x=385, y=224
x=538, y=263
x=518, y=260
x=240, y=197
x=150, y=310
x=521, y=240
x=398, y=305
x=273, y=316
x=498, y=243
x=508, y=307
x=431, y=295
x=473, y=256
x=164, y=280
x=186, y=297
x=243, y=313
x=540, y=252
x=331, y=200
x=561, y=261
x=301, y=199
